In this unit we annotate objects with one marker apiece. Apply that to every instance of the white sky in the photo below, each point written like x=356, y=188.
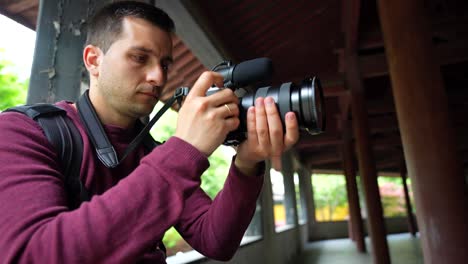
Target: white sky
x=18, y=43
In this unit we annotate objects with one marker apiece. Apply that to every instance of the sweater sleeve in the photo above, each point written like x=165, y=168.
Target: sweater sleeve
x=115, y=227
x=215, y=228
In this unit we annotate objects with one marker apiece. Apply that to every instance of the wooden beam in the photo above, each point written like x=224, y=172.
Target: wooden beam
x=318, y=142
x=441, y=28
x=391, y=141
x=351, y=14
x=379, y=124
x=381, y=107
x=445, y=53
x=390, y=158
x=18, y=18
x=324, y=158
x=18, y=7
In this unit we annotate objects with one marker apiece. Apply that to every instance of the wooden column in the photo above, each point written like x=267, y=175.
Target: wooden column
x=367, y=167
x=409, y=209
x=355, y=218
x=427, y=136
x=350, y=220
x=304, y=177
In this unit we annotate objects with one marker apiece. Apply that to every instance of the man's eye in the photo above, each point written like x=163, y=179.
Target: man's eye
x=166, y=66
x=139, y=58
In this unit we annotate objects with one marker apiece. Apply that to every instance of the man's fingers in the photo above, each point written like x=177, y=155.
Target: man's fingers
x=232, y=124
x=252, y=125
x=262, y=123
x=204, y=82
x=275, y=127
x=292, y=130
x=231, y=110
x=223, y=96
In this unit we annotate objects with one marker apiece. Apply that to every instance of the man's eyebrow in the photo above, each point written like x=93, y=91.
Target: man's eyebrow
x=143, y=49
x=140, y=48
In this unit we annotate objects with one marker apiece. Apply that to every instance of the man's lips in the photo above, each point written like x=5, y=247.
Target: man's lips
x=155, y=95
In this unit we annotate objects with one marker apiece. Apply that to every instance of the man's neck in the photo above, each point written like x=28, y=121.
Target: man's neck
x=110, y=117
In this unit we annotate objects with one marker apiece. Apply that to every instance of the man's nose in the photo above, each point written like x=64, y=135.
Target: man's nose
x=156, y=76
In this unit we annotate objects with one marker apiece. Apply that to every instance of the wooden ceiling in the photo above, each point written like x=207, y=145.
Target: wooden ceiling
x=307, y=38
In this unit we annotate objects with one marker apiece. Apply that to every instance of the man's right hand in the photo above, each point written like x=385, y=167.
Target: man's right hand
x=204, y=121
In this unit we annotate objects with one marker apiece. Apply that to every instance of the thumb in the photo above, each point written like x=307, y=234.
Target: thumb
x=204, y=82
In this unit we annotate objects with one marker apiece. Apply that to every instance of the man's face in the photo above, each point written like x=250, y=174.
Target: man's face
x=133, y=71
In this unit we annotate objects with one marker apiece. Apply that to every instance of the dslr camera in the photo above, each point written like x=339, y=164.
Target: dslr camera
x=304, y=99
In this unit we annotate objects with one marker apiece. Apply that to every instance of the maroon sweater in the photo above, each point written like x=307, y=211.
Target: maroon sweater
x=134, y=203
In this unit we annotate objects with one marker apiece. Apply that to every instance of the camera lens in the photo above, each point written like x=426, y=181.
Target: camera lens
x=305, y=100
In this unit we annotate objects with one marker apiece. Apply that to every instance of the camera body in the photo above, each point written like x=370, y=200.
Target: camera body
x=305, y=99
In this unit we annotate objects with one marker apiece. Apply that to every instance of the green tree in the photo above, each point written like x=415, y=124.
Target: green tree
x=329, y=192
x=12, y=90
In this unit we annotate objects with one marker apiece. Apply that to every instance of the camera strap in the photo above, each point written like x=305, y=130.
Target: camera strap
x=104, y=149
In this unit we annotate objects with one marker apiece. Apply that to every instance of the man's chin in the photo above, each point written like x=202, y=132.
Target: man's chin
x=144, y=109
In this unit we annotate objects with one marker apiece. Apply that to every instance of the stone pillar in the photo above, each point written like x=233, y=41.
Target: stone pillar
x=427, y=136
x=57, y=71
x=57, y=68
x=289, y=189
x=268, y=219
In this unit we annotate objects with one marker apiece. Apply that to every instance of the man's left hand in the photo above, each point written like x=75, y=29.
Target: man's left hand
x=265, y=136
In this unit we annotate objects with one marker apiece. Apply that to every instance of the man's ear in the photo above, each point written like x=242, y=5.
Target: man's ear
x=92, y=57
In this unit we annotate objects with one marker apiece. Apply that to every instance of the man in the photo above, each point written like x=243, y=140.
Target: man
x=127, y=55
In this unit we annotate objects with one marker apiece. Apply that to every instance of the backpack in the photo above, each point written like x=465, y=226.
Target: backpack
x=62, y=133
x=67, y=141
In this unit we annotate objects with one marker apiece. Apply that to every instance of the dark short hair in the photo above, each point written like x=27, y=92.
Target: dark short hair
x=105, y=26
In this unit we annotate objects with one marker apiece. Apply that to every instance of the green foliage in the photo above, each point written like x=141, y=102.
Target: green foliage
x=391, y=194
x=329, y=192
x=12, y=90
x=213, y=178
x=171, y=237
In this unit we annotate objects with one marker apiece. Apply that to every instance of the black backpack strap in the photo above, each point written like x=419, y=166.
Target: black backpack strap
x=67, y=141
x=96, y=133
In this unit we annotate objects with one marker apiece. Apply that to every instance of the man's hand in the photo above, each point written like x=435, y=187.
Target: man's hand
x=265, y=136
x=204, y=121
